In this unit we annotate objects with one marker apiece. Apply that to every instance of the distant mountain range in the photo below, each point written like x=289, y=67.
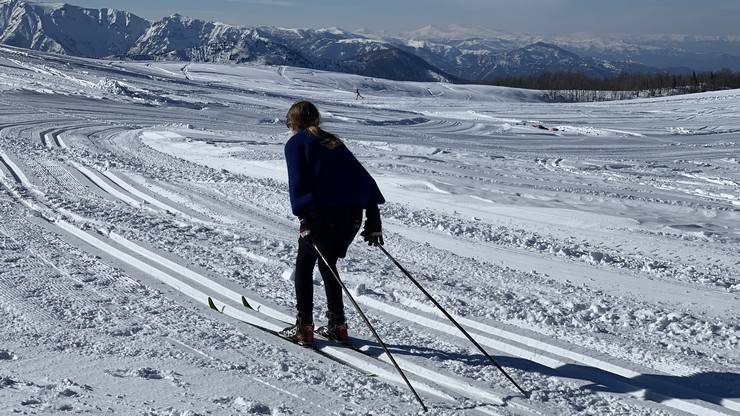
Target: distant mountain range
x=429, y=54
x=675, y=53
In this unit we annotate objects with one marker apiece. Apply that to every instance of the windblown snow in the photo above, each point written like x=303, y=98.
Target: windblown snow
x=592, y=249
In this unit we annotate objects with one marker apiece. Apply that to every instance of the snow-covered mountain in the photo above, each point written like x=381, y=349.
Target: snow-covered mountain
x=673, y=52
x=457, y=32
x=484, y=60
x=541, y=57
x=482, y=54
x=335, y=49
x=427, y=54
x=72, y=30
x=538, y=58
x=466, y=59
x=180, y=38
x=703, y=53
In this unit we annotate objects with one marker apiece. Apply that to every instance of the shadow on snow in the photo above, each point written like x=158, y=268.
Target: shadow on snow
x=710, y=387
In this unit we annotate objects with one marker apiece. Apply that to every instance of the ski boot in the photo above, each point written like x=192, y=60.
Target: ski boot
x=301, y=334
x=335, y=332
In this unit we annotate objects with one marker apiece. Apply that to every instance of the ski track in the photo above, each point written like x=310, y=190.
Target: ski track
x=342, y=354
x=194, y=293
x=285, y=318
x=65, y=159
x=542, y=353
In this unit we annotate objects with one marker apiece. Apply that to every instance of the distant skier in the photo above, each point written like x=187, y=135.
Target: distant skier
x=358, y=96
x=329, y=189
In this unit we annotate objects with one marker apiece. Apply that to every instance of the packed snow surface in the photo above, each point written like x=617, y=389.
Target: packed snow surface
x=592, y=249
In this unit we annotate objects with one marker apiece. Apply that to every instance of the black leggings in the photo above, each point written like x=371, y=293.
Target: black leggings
x=332, y=230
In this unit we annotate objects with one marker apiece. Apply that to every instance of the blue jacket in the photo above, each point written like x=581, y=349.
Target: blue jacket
x=322, y=177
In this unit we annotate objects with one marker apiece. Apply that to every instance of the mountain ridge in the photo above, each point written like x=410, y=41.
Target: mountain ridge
x=104, y=33
x=452, y=54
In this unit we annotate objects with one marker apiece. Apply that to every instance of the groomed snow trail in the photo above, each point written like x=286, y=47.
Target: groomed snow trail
x=122, y=216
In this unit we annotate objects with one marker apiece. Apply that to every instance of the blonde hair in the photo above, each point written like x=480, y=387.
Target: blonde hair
x=305, y=115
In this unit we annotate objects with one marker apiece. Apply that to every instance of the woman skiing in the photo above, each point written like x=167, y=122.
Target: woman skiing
x=329, y=189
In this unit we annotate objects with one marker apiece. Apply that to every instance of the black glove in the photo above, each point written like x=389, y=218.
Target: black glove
x=373, y=238
x=304, y=230
x=373, y=231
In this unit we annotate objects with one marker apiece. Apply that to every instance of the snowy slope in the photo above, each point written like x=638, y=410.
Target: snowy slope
x=596, y=259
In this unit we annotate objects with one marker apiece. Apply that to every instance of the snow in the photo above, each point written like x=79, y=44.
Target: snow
x=333, y=30
x=595, y=259
x=418, y=44
x=360, y=40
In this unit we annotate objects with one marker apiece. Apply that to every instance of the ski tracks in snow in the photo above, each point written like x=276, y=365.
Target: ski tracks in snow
x=193, y=284
x=230, y=302
x=433, y=383
x=556, y=357
x=91, y=161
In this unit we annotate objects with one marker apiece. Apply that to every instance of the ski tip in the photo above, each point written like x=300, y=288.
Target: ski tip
x=246, y=304
x=211, y=304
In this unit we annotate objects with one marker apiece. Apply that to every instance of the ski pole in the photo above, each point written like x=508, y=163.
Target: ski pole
x=369, y=325
x=467, y=335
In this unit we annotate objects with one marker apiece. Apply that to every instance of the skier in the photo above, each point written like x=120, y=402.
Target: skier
x=358, y=96
x=329, y=189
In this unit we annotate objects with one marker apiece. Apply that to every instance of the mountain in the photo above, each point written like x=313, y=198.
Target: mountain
x=465, y=59
x=93, y=33
x=456, y=32
x=396, y=64
x=477, y=59
x=541, y=57
x=702, y=53
x=330, y=46
x=180, y=38
x=676, y=53
x=538, y=58
x=432, y=53
x=69, y=30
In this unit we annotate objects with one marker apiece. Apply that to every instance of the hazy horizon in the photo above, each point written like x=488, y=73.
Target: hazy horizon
x=546, y=17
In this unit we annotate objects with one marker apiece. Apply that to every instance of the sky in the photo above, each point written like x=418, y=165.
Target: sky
x=693, y=17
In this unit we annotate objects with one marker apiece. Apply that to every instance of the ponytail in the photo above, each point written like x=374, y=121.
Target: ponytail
x=327, y=139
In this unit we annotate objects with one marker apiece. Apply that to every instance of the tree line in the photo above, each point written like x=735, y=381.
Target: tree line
x=577, y=86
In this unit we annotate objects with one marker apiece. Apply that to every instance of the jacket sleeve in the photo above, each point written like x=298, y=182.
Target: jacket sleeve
x=299, y=182
x=373, y=196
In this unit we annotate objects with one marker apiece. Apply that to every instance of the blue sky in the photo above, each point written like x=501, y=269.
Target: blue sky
x=719, y=17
